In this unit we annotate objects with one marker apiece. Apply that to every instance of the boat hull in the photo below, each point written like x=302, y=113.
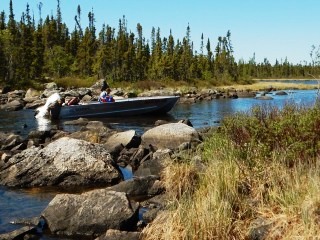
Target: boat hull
x=120, y=108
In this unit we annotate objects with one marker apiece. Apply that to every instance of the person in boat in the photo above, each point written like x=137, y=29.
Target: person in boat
x=105, y=96
x=73, y=101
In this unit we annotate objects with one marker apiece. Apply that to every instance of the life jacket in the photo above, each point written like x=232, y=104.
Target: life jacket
x=106, y=98
x=109, y=99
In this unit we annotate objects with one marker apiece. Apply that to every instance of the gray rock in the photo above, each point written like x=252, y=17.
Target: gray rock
x=281, y=93
x=155, y=165
x=9, y=140
x=186, y=121
x=51, y=85
x=160, y=92
x=259, y=229
x=160, y=122
x=32, y=93
x=140, y=155
x=48, y=92
x=14, y=105
x=20, y=233
x=64, y=162
x=79, y=121
x=170, y=135
x=96, y=126
x=150, y=214
x=84, y=92
x=5, y=156
x=121, y=138
x=86, y=98
x=34, y=103
x=16, y=94
x=187, y=100
x=140, y=187
x=130, y=95
x=91, y=213
x=119, y=235
x=264, y=97
x=93, y=131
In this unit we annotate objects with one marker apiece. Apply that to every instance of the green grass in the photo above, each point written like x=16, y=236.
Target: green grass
x=75, y=82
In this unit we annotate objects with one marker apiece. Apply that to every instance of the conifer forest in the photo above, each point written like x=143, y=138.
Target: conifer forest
x=32, y=51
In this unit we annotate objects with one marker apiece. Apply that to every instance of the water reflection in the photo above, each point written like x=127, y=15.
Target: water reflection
x=44, y=124
x=19, y=203
x=211, y=113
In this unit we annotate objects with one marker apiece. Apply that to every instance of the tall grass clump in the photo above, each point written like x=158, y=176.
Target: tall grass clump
x=75, y=82
x=261, y=180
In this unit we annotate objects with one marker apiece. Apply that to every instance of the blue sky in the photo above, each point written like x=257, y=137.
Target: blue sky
x=272, y=29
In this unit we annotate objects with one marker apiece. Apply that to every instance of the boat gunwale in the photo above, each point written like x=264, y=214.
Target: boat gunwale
x=124, y=100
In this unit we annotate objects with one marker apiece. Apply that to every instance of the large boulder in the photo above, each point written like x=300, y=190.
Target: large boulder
x=170, y=136
x=64, y=162
x=91, y=213
x=32, y=93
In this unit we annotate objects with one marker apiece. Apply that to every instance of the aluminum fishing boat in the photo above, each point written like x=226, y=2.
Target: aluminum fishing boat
x=119, y=108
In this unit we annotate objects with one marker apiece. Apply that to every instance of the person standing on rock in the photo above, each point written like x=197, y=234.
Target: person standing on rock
x=104, y=86
x=55, y=107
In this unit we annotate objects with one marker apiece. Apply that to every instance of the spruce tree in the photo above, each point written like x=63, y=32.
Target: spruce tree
x=2, y=20
x=12, y=49
x=25, y=48
x=3, y=62
x=37, y=54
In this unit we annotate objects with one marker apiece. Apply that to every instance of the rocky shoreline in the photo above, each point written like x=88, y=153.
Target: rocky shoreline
x=94, y=158
x=72, y=160
x=32, y=99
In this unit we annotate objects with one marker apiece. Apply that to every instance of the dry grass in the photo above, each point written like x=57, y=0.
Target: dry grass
x=239, y=193
x=259, y=86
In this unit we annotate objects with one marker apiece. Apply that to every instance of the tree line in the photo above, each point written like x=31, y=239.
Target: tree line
x=31, y=51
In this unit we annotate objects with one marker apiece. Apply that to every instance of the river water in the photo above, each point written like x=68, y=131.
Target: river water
x=21, y=203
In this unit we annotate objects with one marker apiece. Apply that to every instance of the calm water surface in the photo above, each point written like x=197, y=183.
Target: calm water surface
x=30, y=203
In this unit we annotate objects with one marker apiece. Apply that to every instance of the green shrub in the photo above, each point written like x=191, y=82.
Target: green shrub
x=293, y=131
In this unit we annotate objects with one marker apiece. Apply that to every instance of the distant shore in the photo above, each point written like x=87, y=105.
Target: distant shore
x=275, y=84
x=284, y=79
